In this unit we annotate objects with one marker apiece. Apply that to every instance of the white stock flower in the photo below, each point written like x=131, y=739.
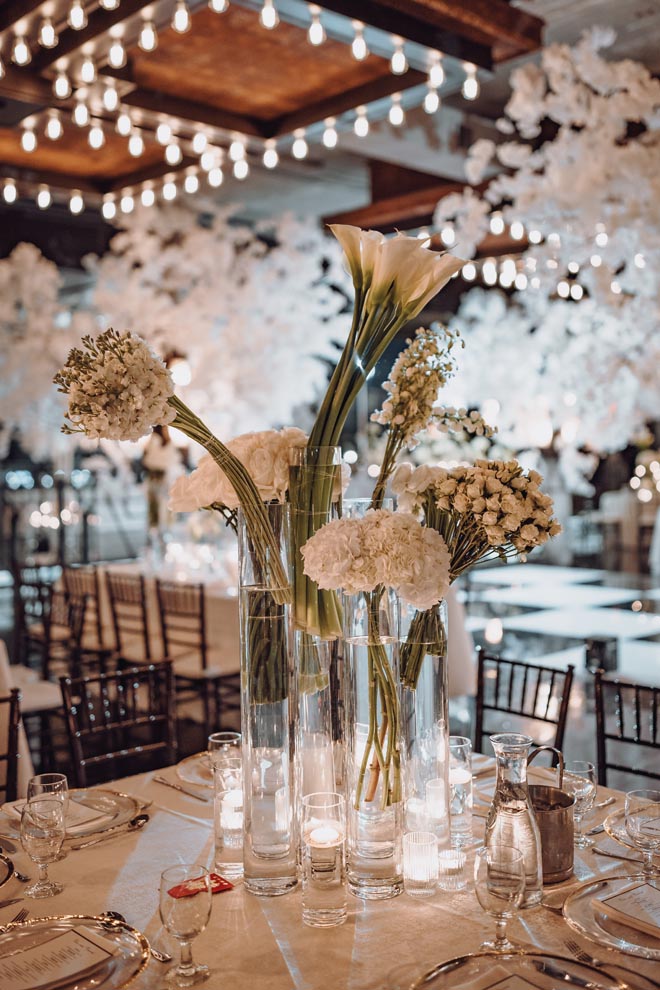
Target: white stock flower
x=118, y=388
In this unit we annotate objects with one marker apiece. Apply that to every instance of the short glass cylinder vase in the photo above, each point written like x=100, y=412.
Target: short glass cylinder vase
x=373, y=746
x=268, y=718
x=425, y=720
x=511, y=820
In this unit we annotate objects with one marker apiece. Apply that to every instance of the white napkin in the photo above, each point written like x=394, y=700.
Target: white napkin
x=78, y=816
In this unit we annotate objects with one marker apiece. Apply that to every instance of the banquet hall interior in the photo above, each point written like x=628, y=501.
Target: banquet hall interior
x=382, y=273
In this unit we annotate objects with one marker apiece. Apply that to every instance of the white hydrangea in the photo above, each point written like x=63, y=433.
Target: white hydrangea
x=267, y=455
x=381, y=548
x=118, y=388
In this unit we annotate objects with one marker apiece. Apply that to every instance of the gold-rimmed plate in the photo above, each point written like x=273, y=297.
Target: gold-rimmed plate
x=123, y=956
x=615, y=826
x=91, y=810
x=581, y=911
x=196, y=769
x=522, y=968
x=6, y=869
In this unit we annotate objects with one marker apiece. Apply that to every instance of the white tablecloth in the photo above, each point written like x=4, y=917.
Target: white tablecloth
x=25, y=768
x=261, y=942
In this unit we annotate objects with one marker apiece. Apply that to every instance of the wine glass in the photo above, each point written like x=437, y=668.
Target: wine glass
x=185, y=915
x=55, y=785
x=42, y=835
x=499, y=878
x=580, y=781
x=642, y=817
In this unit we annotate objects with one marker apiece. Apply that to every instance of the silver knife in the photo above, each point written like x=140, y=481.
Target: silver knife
x=610, y=855
x=8, y=903
x=182, y=790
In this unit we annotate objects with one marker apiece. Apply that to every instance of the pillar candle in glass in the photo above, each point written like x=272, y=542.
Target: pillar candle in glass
x=228, y=818
x=323, y=859
x=460, y=790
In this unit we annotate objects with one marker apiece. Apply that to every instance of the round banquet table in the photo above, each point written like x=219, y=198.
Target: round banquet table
x=261, y=942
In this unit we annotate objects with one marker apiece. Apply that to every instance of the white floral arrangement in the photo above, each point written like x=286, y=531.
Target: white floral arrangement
x=382, y=548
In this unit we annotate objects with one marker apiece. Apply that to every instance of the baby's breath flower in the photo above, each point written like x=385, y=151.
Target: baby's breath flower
x=118, y=388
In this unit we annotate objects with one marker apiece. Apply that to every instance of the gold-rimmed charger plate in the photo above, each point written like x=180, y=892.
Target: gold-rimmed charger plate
x=196, y=769
x=582, y=914
x=529, y=968
x=114, y=973
x=615, y=826
x=113, y=807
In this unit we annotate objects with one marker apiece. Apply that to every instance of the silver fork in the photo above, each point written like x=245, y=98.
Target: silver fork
x=18, y=919
x=585, y=957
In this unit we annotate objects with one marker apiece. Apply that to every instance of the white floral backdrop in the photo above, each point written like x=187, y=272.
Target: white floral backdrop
x=581, y=372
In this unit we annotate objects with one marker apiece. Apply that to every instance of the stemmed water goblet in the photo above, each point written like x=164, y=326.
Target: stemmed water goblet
x=499, y=879
x=42, y=835
x=53, y=785
x=185, y=909
x=642, y=818
x=580, y=781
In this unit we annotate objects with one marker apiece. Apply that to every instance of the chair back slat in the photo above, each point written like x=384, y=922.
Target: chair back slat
x=128, y=604
x=82, y=581
x=532, y=691
x=182, y=610
x=113, y=718
x=10, y=719
x=626, y=720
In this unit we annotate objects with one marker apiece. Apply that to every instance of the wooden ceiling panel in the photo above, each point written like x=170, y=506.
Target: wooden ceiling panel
x=71, y=155
x=233, y=63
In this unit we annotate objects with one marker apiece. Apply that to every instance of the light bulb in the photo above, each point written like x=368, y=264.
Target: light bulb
x=117, y=54
x=62, y=86
x=127, y=204
x=9, y=191
x=199, y=142
x=398, y=62
x=431, y=101
x=191, y=182
x=147, y=197
x=330, y=133
x=208, y=159
x=110, y=98
x=109, y=4
x=520, y=281
x=436, y=71
x=54, y=126
x=241, y=169
x=163, y=133
x=563, y=289
x=88, y=70
x=136, y=145
x=173, y=154
x=109, y=209
x=489, y=272
x=124, y=124
x=181, y=19
x=447, y=236
x=215, y=177
x=640, y=261
x=269, y=17
x=28, y=140
x=47, y=34
x=80, y=113
x=361, y=125
x=76, y=203
x=470, y=89
x=535, y=236
x=148, y=39
x=596, y=260
x=469, y=272
x=359, y=46
x=299, y=147
x=44, y=198
x=517, y=230
x=218, y=7
x=236, y=150
x=271, y=157
x=615, y=287
x=496, y=224
x=576, y=291
x=601, y=239
x=96, y=137
x=169, y=190
x=396, y=115
x=20, y=52
x=77, y=17
x=316, y=34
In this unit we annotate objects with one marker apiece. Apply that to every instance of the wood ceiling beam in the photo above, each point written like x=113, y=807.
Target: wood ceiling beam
x=410, y=209
x=24, y=87
x=58, y=180
x=99, y=22
x=13, y=10
x=175, y=106
x=146, y=174
x=398, y=18
x=497, y=23
x=348, y=100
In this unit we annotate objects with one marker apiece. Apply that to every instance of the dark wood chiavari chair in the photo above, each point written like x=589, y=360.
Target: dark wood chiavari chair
x=120, y=723
x=83, y=580
x=525, y=690
x=198, y=667
x=628, y=724
x=10, y=720
x=135, y=641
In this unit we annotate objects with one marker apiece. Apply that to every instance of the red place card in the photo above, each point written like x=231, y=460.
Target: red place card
x=192, y=887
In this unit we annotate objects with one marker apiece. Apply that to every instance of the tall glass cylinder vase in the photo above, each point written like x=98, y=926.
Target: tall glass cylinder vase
x=373, y=754
x=268, y=719
x=315, y=749
x=425, y=720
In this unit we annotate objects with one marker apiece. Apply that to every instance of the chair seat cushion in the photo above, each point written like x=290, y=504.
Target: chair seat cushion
x=58, y=633
x=133, y=650
x=36, y=695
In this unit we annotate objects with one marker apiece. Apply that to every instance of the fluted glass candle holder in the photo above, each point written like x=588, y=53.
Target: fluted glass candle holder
x=420, y=863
